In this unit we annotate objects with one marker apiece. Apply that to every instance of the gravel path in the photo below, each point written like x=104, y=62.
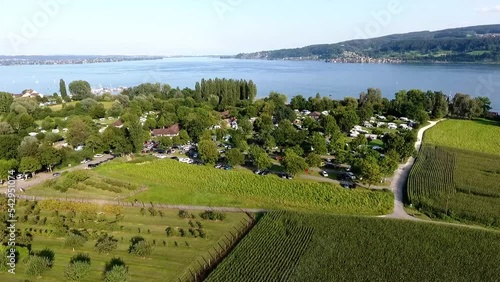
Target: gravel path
x=400, y=178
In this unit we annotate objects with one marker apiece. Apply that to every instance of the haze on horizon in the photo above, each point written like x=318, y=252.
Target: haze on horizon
x=218, y=27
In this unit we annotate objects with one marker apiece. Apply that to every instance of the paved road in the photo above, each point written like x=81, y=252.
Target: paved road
x=43, y=176
x=401, y=176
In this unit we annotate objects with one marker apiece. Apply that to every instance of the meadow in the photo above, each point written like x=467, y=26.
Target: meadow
x=171, y=182
x=473, y=135
x=170, y=259
x=347, y=248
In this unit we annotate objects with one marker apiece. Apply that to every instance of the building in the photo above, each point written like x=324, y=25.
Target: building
x=29, y=93
x=171, y=131
x=117, y=124
x=315, y=115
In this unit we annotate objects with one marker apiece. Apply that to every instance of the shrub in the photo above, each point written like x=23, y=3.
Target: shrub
x=115, y=271
x=212, y=215
x=78, y=268
x=171, y=231
x=140, y=247
x=37, y=265
x=106, y=244
x=183, y=214
x=75, y=240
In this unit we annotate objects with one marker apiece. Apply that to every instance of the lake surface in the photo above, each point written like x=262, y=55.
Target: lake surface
x=288, y=77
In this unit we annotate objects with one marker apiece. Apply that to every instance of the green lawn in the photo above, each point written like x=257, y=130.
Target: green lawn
x=476, y=135
x=171, y=182
x=58, y=107
x=167, y=262
x=312, y=247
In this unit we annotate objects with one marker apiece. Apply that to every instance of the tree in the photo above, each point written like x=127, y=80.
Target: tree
x=80, y=90
x=136, y=134
x=6, y=101
x=293, y=163
x=140, y=247
x=78, y=268
x=118, y=273
x=116, y=109
x=49, y=156
x=318, y=143
x=389, y=163
x=370, y=171
x=313, y=160
x=37, y=265
x=208, y=151
x=485, y=104
x=8, y=150
x=30, y=164
x=63, y=91
x=5, y=166
x=78, y=131
x=97, y=111
x=347, y=119
x=235, y=157
x=106, y=244
x=5, y=128
x=299, y=103
x=74, y=241
x=263, y=161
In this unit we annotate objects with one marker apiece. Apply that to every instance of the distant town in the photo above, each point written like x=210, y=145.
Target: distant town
x=62, y=60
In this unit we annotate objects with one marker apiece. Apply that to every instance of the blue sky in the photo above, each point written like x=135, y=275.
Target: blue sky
x=202, y=27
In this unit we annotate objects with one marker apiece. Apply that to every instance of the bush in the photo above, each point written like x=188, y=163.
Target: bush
x=212, y=215
x=78, y=175
x=183, y=214
x=118, y=273
x=140, y=247
x=78, y=268
x=75, y=240
x=171, y=231
x=37, y=265
x=106, y=244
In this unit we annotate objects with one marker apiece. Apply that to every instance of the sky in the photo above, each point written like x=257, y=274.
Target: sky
x=218, y=27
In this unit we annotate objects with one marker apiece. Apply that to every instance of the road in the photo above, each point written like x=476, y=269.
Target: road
x=43, y=176
x=401, y=176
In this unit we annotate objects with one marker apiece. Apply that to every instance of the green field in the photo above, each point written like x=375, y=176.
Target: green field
x=456, y=183
x=171, y=256
x=171, y=182
x=477, y=135
x=58, y=107
x=84, y=184
x=312, y=247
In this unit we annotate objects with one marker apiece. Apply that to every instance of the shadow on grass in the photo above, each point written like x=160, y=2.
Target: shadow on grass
x=487, y=122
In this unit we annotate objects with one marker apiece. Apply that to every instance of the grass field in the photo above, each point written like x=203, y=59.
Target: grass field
x=171, y=182
x=58, y=107
x=460, y=181
x=345, y=248
x=84, y=184
x=477, y=135
x=167, y=262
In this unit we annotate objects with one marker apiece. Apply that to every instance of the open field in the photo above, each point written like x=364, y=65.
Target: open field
x=345, y=248
x=476, y=135
x=107, y=105
x=171, y=182
x=171, y=256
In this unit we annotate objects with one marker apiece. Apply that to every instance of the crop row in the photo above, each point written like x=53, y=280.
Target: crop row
x=273, y=247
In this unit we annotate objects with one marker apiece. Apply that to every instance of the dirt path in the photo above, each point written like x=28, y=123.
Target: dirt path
x=400, y=178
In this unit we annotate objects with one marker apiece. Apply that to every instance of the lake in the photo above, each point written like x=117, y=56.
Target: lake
x=288, y=77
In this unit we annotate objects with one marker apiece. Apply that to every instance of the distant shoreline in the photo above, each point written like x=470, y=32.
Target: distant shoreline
x=69, y=60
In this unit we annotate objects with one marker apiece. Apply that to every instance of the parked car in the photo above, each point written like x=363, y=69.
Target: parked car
x=57, y=174
x=265, y=172
x=258, y=171
x=324, y=173
x=98, y=156
x=285, y=175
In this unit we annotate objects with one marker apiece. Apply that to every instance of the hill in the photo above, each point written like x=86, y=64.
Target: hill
x=476, y=44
